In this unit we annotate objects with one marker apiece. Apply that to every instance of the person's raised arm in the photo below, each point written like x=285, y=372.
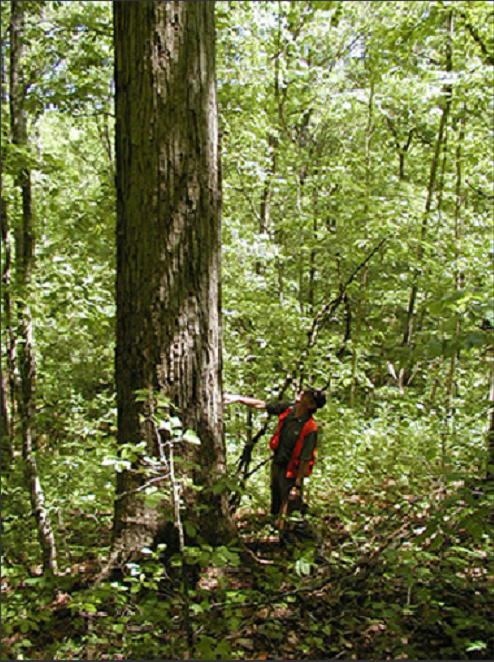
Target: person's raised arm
x=255, y=403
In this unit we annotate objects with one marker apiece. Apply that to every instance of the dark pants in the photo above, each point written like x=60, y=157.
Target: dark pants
x=280, y=486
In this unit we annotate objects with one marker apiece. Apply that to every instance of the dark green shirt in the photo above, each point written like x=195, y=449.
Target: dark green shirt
x=290, y=432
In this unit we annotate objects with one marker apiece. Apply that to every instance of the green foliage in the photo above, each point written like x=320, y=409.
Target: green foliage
x=319, y=101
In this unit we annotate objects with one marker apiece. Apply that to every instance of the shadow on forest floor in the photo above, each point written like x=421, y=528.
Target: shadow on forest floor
x=400, y=577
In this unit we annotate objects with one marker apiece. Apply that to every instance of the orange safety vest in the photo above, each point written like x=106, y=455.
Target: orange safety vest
x=309, y=426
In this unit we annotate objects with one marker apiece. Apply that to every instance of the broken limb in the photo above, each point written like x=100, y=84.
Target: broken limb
x=326, y=310
x=246, y=457
x=244, y=463
x=258, y=466
x=480, y=192
x=143, y=487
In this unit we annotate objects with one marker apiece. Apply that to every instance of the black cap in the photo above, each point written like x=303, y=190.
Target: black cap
x=319, y=397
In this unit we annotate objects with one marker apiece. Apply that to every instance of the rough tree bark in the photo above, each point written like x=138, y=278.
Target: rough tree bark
x=24, y=261
x=168, y=251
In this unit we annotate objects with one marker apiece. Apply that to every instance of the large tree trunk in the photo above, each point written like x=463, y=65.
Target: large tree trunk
x=24, y=260
x=168, y=250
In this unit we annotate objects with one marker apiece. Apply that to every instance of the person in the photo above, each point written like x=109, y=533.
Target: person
x=294, y=443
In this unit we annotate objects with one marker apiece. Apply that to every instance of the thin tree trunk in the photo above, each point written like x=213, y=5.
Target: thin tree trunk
x=265, y=210
x=9, y=378
x=6, y=446
x=490, y=431
x=440, y=186
x=313, y=252
x=459, y=277
x=459, y=200
x=24, y=261
x=448, y=90
x=301, y=261
x=12, y=377
x=249, y=426
x=401, y=173
x=401, y=150
x=439, y=203
x=279, y=267
x=364, y=274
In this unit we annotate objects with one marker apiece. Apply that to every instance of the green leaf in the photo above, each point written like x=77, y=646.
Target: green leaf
x=175, y=422
x=190, y=529
x=89, y=607
x=302, y=567
x=476, y=646
x=24, y=627
x=191, y=437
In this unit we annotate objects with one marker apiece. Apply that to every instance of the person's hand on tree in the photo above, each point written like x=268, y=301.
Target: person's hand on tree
x=230, y=398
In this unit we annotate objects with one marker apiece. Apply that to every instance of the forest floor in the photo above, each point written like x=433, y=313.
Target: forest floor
x=403, y=578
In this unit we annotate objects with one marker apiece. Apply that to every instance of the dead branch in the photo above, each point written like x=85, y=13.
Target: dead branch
x=489, y=57
x=326, y=310
x=329, y=308
x=480, y=192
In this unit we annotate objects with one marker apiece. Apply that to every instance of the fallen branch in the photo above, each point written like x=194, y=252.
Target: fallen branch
x=246, y=457
x=254, y=557
x=261, y=464
x=488, y=57
x=329, y=308
x=354, y=570
x=326, y=310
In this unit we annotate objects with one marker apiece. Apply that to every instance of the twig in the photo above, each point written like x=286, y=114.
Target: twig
x=261, y=464
x=181, y=538
x=143, y=487
x=256, y=558
x=480, y=192
x=329, y=308
x=246, y=195
x=489, y=57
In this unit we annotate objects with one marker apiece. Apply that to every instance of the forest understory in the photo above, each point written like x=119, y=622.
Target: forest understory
x=258, y=198
x=378, y=573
